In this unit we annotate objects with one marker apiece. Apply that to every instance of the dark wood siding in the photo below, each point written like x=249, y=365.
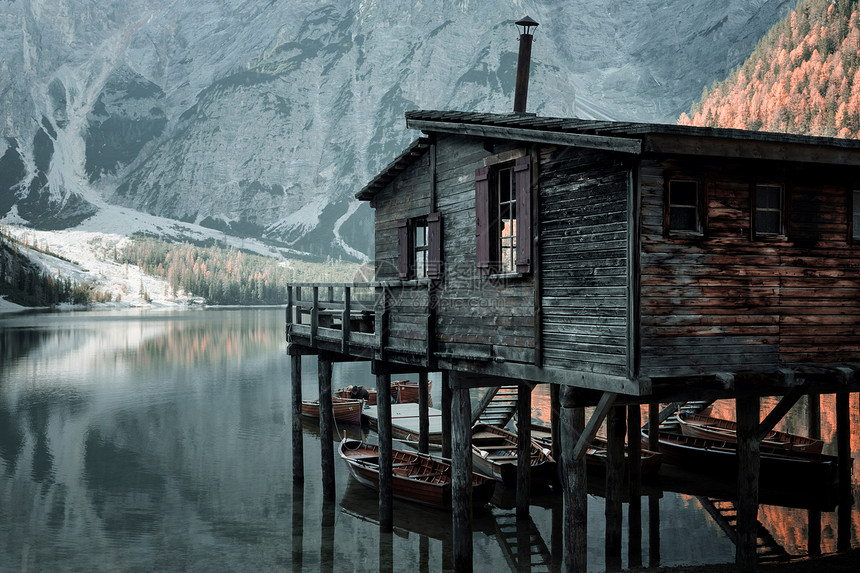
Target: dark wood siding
x=477, y=315
x=583, y=266
x=725, y=302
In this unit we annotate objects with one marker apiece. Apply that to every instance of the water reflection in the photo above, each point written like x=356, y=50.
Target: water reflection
x=149, y=441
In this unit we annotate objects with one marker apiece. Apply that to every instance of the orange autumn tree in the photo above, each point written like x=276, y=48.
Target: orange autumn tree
x=803, y=77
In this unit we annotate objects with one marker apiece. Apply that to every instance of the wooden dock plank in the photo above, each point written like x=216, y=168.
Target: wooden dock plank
x=405, y=421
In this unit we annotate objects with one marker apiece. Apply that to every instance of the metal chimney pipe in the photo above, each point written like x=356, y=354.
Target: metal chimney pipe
x=521, y=92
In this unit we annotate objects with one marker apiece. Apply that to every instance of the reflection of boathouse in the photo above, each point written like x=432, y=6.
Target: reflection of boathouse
x=622, y=263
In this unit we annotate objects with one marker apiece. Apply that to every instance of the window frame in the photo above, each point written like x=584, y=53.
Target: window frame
x=784, y=204
x=408, y=247
x=490, y=235
x=700, y=207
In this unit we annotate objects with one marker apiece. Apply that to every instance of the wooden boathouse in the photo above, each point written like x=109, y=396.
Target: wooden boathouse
x=621, y=263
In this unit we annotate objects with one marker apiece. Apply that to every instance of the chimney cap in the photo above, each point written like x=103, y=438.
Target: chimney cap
x=527, y=23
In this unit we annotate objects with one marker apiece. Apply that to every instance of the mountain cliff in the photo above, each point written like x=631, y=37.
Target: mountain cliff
x=262, y=118
x=803, y=77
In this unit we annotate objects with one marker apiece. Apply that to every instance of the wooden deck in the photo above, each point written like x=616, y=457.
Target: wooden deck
x=404, y=421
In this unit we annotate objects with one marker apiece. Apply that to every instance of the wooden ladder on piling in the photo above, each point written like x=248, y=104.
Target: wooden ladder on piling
x=725, y=514
x=497, y=407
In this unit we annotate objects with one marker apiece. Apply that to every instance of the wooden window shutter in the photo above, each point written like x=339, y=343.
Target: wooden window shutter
x=482, y=219
x=523, y=174
x=403, y=249
x=434, y=247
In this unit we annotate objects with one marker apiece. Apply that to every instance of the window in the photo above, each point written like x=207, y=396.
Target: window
x=503, y=217
x=855, y=215
x=768, y=208
x=685, y=203
x=419, y=247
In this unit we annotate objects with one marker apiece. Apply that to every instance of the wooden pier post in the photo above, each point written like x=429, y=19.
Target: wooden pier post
x=843, y=452
x=386, y=479
x=446, y=415
x=814, y=515
x=423, y=413
x=524, y=450
x=634, y=482
x=653, y=530
x=616, y=423
x=555, y=412
x=748, y=413
x=296, y=399
x=573, y=478
x=326, y=423
x=298, y=522
x=461, y=476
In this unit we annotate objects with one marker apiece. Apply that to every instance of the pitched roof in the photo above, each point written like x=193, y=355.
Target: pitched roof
x=621, y=137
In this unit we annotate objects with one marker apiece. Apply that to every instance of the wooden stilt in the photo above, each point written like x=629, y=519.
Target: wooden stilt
x=327, y=537
x=616, y=423
x=423, y=413
x=298, y=522
x=298, y=434
x=446, y=416
x=654, y=427
x=573, y=477
x=383, y=411
x=814, y=515
x=843, y=452
x=386, y=551
x=747, y=412
x=634, y=482
x=524, y=439
x=555, y=405
x=461, y=476
x=326, y=423
x=653, y=531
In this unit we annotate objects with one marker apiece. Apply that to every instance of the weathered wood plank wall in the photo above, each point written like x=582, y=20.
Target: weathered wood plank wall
x=724, y=301
x=583, y=230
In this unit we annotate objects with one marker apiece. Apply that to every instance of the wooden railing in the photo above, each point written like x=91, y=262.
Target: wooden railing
x=359, y=314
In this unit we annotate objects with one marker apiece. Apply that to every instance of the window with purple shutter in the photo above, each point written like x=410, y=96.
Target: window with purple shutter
x=523, y=176
x=434, y=252
x=403, y=249
x=483, y=226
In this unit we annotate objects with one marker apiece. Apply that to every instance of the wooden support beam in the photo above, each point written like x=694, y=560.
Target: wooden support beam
x=814, y=515
x=616, y=425
x=653, y=530
x=574, y=486
x=386, y=479
x=555, y=411
x=843, y=453
x=484, y=402
x=654, y=427
x=747, y=414
x=781, y=409
x=524, y=450
x=423, y=413
x=326, y=423
x=345, y=320
x=298, y=433
x=315, y=315
x=446, y=415
x=461, y=478
x=634, y=482
x=597, y=417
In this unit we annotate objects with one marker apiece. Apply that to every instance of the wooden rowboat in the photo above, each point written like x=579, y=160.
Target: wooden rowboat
x=346, y=410
x=416, y=477
x=494, y=453
x=344, y=393
x=406, y=391
x=700, y=426
x=595, y=455
x=719, y=457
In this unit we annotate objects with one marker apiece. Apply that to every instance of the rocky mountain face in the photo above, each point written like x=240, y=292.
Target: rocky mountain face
x=263, y=118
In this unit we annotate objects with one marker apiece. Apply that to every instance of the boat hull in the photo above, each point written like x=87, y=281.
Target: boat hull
x=700, y=426
x=494, y=454
x=416, y=478
x=345, y=410
x=720, y=458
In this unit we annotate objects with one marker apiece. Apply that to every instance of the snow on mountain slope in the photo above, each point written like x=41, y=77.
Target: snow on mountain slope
x=262, y=119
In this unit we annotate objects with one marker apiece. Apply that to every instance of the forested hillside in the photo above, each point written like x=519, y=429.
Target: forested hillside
x=803, y=77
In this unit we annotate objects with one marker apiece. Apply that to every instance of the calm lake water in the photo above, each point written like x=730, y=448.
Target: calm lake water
x=141, y=441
